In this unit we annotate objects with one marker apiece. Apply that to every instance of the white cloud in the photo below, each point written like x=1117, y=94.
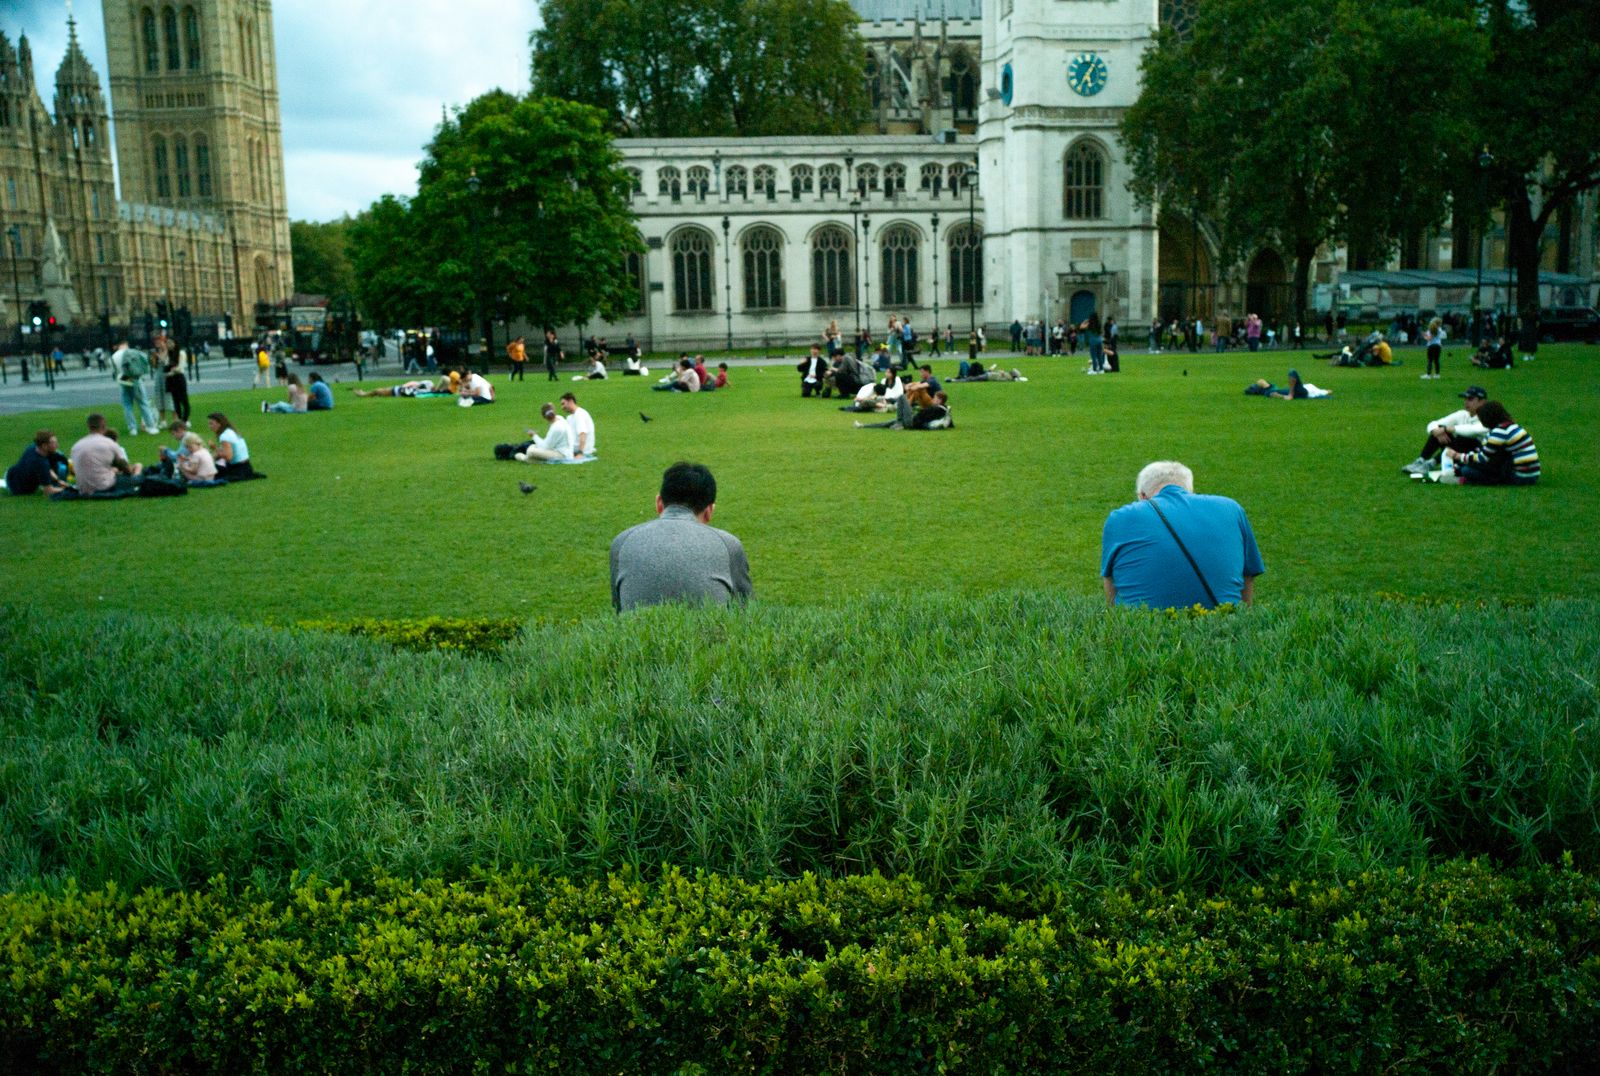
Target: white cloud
x=360, y=82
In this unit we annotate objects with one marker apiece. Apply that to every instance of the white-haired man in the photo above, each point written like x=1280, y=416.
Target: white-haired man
x=1173, y=548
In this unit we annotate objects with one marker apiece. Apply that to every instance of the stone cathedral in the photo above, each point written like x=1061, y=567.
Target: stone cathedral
x=201, y=219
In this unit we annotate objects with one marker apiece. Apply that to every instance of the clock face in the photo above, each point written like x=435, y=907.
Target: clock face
x=1086, y=74
x=1006, y=84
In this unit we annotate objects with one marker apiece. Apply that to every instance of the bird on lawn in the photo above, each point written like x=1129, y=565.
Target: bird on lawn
x=1186, y=373
x=644, y=417
x=526, y=487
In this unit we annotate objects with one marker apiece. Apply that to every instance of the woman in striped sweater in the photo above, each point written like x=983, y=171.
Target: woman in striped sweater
x=1508, y=456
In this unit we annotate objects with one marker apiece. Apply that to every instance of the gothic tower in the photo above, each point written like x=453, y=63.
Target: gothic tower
x=195, y=92
x=1063, y=238
x=84, y=201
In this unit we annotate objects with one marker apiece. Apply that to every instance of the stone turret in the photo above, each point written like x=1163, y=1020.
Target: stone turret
x=78, y=92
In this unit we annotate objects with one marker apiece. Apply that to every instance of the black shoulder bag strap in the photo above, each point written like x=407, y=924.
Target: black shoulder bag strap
x=1212, y=598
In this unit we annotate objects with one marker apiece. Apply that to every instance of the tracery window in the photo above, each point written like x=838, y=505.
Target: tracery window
x=899, y=247
x=699, y=181
x=691, y=271
x=202, y=165
x=832, y=263
x=866, y=179
x=801, y=180
x=766, y=178
x=894, y=179
x=152, y=44
x=932, y=179
x=738, y=181
x=762, y=247
x=158, y=155
x=669, y=182
x=1084, y=197
x=191, y=39
x=828, y=178
x=180, y=165
x=169, y=30
x=966, y=265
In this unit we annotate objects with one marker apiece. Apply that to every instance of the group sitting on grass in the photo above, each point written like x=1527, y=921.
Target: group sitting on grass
x=691, y=375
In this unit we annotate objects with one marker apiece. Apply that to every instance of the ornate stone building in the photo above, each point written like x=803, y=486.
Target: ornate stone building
x=764, y=241
x=202, y=221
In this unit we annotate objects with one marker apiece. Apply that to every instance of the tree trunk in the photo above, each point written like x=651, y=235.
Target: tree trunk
x=1523, y=255
x=1303, y=254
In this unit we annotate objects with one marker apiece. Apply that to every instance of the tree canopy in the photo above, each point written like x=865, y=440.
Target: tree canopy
x=1536, y=99
x=321, y=258
x=521, y=210
x=1296, y=122
x=699, y=68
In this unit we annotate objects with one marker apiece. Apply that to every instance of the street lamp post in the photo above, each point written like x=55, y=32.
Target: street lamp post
x=474, y=185
x=936, y=280
x=973, y=252
x=15, y=235
x=855, y=279
x=1485, y=159
x=866, y=269
x=727, y=278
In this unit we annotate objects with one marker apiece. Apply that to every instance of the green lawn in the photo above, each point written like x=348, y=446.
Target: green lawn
x=395, y=507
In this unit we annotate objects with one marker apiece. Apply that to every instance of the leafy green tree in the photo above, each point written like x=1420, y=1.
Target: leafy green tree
x=521, y=209
x=1295, y=122
x=390, y=269
x=698, y=68
x=321, y=260
x=1537, y=98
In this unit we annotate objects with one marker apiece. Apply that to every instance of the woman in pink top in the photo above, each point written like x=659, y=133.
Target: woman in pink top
x=197, y=464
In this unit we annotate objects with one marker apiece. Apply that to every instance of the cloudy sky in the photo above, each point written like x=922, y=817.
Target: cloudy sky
x=360, y=81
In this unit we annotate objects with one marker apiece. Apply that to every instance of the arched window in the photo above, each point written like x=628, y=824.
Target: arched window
x=691, y=271
x=633, y=269
x=1085, y=183
x=932, y=178
x=894, y=179
x=866, y=179
x=191, y=38
x=169, y=30
x=766, y=178
x=828, y=179
x=738, y=181
x=152, y=44
x=899, y=246
x=669, y=183
x=964, y=80
x=180, y=165
x=763, y=268
x=699, y=181
x=202, y=165
x=801, y=180
x=966, y=265
x=874, y=74
x=635, y=181
x=832, y=260
x=158, y=155
x=90, y=136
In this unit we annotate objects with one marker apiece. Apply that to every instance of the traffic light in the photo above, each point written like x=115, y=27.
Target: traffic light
x=149, y=324
x=163, y=314
x=38, y=314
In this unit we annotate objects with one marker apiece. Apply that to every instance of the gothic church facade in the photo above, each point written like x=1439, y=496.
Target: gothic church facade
x=202, y=218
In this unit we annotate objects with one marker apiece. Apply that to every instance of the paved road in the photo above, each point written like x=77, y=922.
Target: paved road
x=78, y=388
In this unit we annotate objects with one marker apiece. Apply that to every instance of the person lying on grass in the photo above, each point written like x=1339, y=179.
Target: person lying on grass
x=405, y=390
x=869, y=398
x=976, y=372
x=935, y=416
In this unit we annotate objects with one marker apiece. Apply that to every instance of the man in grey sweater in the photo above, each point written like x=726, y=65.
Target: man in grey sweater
x=679, y=556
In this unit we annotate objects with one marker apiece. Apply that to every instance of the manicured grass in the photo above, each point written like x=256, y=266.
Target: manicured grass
x=1011, y=739
x=395, y=508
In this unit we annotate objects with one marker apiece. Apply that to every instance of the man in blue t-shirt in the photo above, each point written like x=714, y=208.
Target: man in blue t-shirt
x=321, y=394
x=1143, y=563
x=42, y=467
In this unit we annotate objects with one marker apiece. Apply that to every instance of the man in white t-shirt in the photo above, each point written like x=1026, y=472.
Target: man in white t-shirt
x=1459, y=430
x=556, y=444
x=868, y=398
x=475, y=389
x=581, y=424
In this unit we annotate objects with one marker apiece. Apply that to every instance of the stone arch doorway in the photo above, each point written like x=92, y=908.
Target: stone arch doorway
x=1082, y=304
x=266, y=281
x=1267, y=289
x=1187, y=283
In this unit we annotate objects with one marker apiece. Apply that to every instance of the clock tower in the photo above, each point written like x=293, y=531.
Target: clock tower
x=1063, y=238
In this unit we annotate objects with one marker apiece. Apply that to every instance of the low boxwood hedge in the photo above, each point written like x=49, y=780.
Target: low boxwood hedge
x=1463, y=968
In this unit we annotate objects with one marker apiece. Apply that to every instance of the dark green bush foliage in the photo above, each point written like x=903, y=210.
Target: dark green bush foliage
x=1016, y=739
x=473, y=635
x=1460, y=968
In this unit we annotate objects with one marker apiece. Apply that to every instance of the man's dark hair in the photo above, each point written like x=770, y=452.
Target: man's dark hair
x=879, y=390
x=96, y=422
x=689, y=484
x=315, y=376
x=925, y=368
x=569, y=396
x=42, y=438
